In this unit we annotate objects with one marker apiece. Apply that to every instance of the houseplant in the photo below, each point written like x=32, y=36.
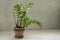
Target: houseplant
x=21, y=19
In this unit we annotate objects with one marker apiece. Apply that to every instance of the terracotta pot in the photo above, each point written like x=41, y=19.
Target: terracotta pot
x=19, y=32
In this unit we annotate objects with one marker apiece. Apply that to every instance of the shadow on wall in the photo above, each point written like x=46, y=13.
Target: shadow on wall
x=59, y=17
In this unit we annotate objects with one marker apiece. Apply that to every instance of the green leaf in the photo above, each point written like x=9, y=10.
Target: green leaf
x=29, y=5
x=27, y=21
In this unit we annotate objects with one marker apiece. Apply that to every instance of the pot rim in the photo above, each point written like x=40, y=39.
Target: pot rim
x=19, y=29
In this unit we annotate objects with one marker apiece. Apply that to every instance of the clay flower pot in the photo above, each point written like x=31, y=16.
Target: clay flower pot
x=19, y=32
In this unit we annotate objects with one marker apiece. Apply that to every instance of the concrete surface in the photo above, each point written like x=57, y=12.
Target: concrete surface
x=47, y=34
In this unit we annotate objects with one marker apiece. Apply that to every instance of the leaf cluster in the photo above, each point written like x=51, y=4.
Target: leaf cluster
x=19, y=13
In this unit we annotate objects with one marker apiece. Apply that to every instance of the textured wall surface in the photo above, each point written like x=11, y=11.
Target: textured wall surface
x=46, y=11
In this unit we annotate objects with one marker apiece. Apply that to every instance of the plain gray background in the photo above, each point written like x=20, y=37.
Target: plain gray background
x=45, y=11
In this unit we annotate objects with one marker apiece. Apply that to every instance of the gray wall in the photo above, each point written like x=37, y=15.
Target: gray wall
x=46, y=11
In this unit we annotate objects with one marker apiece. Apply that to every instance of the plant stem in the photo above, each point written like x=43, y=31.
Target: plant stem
x=17, y=22
x=20, y=22
x=14, y=19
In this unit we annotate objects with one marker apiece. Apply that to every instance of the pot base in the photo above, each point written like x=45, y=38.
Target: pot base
x=19, y=36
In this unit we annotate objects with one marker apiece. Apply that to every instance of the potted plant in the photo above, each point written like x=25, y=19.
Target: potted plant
x=21, y=19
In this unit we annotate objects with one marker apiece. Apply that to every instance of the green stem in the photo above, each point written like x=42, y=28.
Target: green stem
x=17, y=22
x=14, y=19
x=20, y=22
